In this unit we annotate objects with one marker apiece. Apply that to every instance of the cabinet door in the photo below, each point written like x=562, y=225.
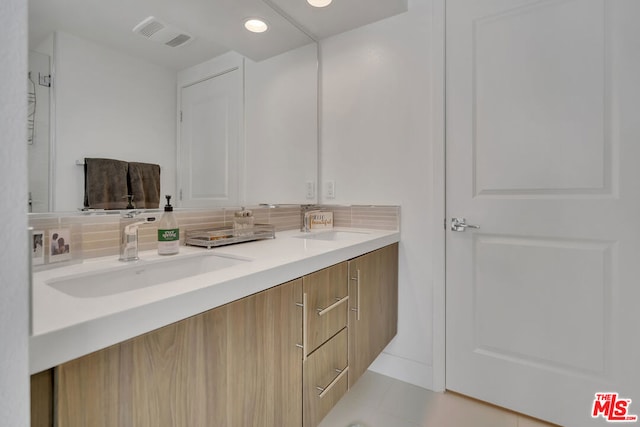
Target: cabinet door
x=265, y=363
x=325, y=378
x=174, y=376
x=373, y=317
x=42, y=399
x=326, y=304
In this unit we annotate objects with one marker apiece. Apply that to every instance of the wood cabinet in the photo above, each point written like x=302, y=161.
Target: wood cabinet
x=174, y=376
x=265, y=361
x=235, y=365
x=42, y=399
x=373, y=314
x=281, y=357
x=325, y=366
x=325, y=378
x=326, y=295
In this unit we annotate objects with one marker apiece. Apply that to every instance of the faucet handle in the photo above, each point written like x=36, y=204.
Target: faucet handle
x=132, y=228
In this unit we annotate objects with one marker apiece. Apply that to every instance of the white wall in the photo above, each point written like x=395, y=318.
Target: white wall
x=109, y=105
x=377, y=146
x=14, y=357
x=281, y=126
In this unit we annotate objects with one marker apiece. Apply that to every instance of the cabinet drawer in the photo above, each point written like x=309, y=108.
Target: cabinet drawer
x=324, y=379
x=326, y=304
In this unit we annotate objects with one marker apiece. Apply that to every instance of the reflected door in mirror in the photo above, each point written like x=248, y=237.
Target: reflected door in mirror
x=210, y=130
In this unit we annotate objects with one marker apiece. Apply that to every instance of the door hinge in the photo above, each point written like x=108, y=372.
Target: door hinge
x=180, y=116
x=180, y=194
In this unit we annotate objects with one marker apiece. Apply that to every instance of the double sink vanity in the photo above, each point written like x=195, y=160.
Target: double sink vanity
x=265, y=333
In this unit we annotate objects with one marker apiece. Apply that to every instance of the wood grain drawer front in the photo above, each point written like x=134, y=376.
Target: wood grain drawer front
x=325, y=380
x=326, y=305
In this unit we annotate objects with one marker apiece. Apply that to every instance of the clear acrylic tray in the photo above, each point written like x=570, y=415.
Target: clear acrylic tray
x=212, y=237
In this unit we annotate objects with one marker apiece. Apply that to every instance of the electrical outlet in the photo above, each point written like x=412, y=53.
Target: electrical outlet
x=311, y=189
x=330, y=189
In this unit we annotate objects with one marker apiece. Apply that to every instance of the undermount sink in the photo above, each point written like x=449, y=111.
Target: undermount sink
x=141, y=274
x=332, y=235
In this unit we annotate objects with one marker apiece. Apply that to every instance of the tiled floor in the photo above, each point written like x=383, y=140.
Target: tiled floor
x=380, y=401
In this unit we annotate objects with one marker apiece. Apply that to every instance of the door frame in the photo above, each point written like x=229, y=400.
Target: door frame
x=439, y=224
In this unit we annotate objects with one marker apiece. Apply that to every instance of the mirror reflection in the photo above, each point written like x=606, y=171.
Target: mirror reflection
x=230, y=117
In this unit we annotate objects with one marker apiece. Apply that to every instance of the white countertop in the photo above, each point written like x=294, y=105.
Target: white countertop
x=66, y=327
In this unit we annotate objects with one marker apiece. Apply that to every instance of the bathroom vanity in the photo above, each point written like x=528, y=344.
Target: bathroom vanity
x=273, y=341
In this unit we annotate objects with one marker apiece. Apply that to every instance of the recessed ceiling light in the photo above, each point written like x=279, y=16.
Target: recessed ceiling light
x=319, y=3
x=256, y=25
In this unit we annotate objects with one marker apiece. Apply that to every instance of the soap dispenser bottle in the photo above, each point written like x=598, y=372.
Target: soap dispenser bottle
x=168, y=231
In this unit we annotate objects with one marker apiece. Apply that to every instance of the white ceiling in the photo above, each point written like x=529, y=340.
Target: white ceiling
x=340, y=15
x=217, y=25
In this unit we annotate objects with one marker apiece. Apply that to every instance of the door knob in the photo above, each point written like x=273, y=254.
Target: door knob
x=460, y=224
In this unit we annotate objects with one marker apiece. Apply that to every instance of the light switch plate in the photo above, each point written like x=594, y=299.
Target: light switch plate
x=330, y=189
x=311, y=189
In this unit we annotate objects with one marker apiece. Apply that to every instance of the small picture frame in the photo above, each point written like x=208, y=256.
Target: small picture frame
x=37, y=247
x=59, y=245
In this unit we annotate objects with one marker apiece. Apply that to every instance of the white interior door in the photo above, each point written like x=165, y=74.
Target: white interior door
x=543, y=153
x=210, y=137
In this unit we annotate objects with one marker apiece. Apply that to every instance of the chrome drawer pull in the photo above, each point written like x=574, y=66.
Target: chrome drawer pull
x=323, y=311
x=324, y=390
x=304, y=326
x=357, y=307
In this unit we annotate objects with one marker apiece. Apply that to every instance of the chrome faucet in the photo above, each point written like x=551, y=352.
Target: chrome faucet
x=129, y=234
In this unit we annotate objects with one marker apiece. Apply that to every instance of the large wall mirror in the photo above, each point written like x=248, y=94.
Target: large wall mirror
x=101, y=90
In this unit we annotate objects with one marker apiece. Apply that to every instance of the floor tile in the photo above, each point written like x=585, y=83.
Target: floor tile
x=380, y=401
x=409, y=402
x=371, y=388
x=453, y=410
x=524, y=421
x=364, y=417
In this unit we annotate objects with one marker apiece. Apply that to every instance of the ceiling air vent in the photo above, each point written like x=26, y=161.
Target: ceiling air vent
x=156, y=30
x=178, y=40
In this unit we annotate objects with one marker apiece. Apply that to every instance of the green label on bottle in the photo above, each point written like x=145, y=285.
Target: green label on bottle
x=168, y=235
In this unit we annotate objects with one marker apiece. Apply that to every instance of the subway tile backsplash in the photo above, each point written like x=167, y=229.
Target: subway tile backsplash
x=375, y=217
x=96, y=235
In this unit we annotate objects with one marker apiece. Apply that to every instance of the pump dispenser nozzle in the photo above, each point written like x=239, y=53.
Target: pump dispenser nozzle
x=168, y=207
